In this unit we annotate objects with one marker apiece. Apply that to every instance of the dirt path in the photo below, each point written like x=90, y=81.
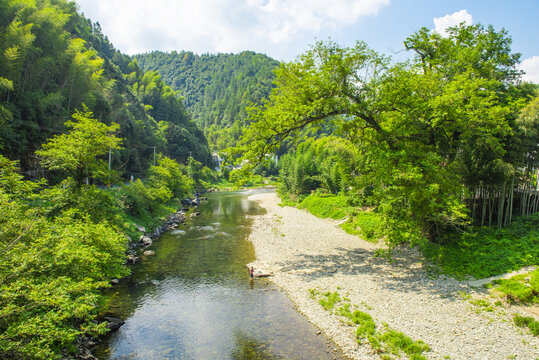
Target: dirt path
x=306, y=252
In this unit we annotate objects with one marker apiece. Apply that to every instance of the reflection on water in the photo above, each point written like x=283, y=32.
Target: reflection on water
x=194, y=298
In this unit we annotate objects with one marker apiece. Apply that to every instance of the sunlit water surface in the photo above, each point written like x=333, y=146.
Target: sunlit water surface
x=194, y=300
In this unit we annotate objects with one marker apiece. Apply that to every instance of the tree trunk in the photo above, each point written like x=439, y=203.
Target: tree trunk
x=484, y=206
x=491, y=208
x=511, y=200
x=474, y=194
x=501, y=203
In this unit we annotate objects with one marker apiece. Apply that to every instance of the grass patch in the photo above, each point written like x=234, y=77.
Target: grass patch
x=326, y=206
x=384, y=343
x=482, y=305
x=487, y=252
x=530, y=322
x=397, y=342
x=329, y=299
x=336, y=207
x=365, y=224
x=518, y=289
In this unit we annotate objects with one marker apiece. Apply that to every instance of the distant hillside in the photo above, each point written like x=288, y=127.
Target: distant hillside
x=216, y=88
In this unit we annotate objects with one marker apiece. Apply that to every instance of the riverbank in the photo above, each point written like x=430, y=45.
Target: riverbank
x=305, y=252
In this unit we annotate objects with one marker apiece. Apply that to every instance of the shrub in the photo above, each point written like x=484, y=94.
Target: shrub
x=530, y=322
x=487, y=252
x=517, y=289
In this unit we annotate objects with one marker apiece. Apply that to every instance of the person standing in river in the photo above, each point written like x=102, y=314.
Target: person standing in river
x=252, y=272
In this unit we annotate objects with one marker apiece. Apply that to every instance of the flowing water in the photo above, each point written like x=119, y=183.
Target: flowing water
x=194, y=300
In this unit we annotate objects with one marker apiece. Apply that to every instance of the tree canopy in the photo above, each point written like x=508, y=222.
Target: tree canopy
x=217, y=89
x=54, y=62
x=419, y=125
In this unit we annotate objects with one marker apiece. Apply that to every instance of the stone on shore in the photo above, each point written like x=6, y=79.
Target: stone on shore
x=113, y=323
x=132, y=259
x=145, y=241
x=261, y=269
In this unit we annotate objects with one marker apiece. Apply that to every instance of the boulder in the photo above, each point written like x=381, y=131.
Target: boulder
x=113, y=323
x=85, y=354
x=141, y=228
x=149, y=252
x=115, y=281
x=145, y=241
x=132, y=259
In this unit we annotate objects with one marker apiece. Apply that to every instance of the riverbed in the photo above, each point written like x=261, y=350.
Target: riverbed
x=194, y=299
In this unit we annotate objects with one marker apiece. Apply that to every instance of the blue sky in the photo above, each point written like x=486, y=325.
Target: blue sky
x=284, y=29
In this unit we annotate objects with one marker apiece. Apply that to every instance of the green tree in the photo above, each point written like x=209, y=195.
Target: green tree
x=77, y=152
x=413, y=123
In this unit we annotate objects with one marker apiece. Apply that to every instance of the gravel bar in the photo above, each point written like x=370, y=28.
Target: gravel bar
x=305, y=252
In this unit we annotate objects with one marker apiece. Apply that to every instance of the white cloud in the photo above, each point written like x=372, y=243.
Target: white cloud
x=442, y=23
x=221, y=25
x=531, y=69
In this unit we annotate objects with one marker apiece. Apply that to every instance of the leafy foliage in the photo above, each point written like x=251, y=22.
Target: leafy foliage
x=488, y=252
x=54, y=61
x=51, y=273
x=77, y=153
x=430, y=138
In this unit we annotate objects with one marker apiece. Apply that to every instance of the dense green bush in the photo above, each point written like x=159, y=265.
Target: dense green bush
x=486, y=252
x=518, y=289
x=61, y=245
x=326, y=163
x=51, y=271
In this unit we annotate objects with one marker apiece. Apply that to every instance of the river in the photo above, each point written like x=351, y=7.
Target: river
x=194, y=300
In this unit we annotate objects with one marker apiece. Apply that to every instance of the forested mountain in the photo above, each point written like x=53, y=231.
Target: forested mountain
x=55, y=61
x=216, y=88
